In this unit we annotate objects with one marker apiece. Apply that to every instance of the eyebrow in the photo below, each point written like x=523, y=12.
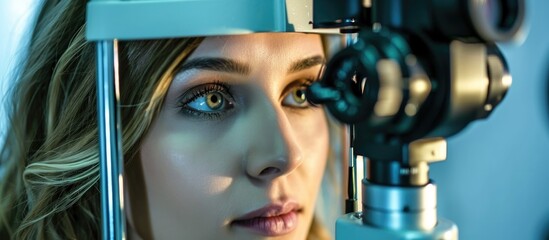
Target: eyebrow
x=306, y=63
x=232, y=66
x=216, y=64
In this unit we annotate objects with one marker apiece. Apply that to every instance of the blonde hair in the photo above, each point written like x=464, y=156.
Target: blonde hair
x=49, y=189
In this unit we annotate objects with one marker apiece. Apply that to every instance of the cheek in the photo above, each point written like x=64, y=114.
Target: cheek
x=186, y=161
x=186, y=173
x=312, y=132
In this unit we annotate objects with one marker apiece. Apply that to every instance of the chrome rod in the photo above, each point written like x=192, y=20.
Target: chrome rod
x=113, y=222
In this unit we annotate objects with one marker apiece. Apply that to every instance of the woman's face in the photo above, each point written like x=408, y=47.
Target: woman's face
x=236, y=152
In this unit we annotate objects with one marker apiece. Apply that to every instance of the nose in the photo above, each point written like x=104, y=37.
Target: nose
x=273, y=150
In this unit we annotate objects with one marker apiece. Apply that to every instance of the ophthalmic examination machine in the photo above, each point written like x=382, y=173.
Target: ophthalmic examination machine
x=413, y=73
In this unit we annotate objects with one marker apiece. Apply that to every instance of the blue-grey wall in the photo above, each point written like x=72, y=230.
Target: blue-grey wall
x=495, y=182
x=15, y=16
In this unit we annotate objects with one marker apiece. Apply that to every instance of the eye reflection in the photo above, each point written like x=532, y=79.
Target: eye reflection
x=208, y=101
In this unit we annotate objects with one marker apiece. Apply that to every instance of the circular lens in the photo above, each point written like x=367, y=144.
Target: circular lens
x=497, y=20
x=493, y=12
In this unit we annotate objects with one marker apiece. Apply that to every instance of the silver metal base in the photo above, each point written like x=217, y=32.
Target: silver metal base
x=399, y=207
x=350, y=227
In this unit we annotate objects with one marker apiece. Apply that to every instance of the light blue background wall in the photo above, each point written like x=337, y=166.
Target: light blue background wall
x=495, y=183
x=14, y=18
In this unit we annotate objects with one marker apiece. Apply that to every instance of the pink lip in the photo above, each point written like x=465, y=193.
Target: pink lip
x=271, y=220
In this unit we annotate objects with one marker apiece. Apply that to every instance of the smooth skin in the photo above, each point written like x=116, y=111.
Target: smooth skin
x=234, y=135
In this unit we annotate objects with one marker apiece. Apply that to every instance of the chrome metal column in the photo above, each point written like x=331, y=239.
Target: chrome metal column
x=110, y=147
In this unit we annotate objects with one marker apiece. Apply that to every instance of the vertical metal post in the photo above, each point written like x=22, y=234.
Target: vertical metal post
x=351, y=203
x=110, y=147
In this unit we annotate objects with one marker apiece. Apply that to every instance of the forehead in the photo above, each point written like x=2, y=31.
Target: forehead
x=273, y=46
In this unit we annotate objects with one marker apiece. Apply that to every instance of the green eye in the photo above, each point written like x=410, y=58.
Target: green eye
x=299, y=95
x=214, y=100
x=296, y=98
x=209, y=101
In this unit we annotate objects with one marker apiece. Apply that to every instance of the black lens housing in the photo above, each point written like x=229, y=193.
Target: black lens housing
x=469, y=21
